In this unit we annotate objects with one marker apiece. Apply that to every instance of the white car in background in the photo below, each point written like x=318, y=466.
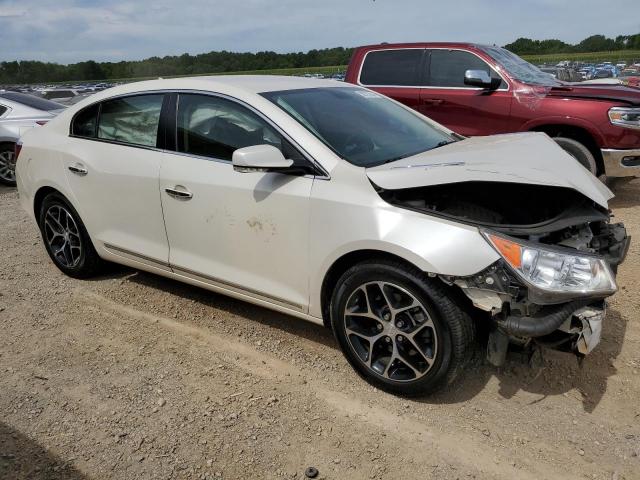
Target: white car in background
x=337, y=205
x=19, y=112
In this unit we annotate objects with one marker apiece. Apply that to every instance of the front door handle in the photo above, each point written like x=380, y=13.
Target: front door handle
x=78, y=169
x=179, y=192
x=432, y=101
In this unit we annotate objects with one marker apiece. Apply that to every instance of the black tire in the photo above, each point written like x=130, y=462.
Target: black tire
x=7, y=164
x=453, y=329
x=82, y=263
x=578, y=151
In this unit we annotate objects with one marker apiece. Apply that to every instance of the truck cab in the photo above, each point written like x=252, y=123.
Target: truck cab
x=478, y=90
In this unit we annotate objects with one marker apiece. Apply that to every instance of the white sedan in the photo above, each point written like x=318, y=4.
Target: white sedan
x=337, y=205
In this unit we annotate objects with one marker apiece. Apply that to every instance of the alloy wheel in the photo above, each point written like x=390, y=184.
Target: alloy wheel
x=390, y=331
x=62, y=236
x=7, y=166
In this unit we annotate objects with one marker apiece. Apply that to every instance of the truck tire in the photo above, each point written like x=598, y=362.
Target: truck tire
x=578, y=151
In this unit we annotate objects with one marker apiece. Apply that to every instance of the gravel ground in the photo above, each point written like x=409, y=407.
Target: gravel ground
x=135, y=376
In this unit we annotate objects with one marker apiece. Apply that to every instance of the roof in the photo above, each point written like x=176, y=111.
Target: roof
x=251, y=84
x=423, y=45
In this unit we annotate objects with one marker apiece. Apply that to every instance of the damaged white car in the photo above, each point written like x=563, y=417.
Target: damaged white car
x=334, y=204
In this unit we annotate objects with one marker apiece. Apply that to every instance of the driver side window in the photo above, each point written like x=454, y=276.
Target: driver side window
x=447, y=68
x=214, y=127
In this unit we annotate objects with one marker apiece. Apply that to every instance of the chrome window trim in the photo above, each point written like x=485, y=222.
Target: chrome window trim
x=323, y=176
x=429, y=87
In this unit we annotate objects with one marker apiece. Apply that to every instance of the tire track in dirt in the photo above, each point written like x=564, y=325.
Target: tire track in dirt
x=460, y=447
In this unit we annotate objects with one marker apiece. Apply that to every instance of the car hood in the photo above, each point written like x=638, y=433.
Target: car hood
x=527, y=158
x=598, y=91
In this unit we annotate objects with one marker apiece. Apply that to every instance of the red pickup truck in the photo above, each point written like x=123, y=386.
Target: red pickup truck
x=483, y=90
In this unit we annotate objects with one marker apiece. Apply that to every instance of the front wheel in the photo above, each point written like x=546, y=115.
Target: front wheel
x=400, y=330
x=7, y=164
x=578, y=151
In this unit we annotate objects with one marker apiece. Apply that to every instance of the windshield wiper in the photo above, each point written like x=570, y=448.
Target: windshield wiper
x=438, y=145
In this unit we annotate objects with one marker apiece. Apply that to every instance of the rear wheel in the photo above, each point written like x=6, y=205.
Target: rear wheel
x=7, y=164
x=578, y=151
x=66, y=239
x=400, y=330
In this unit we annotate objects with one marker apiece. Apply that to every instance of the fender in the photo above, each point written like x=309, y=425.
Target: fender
x=586, y=125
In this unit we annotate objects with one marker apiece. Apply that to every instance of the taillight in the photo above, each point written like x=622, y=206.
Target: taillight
x=16, y=149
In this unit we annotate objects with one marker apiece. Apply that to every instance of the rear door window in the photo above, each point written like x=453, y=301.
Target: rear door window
x=392, y=67
x=132, y=120
x=447, y=68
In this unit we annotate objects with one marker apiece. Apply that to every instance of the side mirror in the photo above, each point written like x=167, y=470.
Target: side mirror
x=259, y=158
x=482, y=79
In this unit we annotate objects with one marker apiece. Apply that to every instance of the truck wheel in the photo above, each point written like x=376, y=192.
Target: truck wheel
x=578, y=151
x=400, y=330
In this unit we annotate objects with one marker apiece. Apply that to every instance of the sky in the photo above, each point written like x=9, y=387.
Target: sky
x=68, y=31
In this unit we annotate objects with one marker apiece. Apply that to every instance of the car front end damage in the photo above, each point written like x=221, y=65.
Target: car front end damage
x=559, y=252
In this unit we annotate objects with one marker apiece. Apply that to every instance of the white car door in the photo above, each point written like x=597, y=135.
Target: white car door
x=113, y=170
x=244, y=232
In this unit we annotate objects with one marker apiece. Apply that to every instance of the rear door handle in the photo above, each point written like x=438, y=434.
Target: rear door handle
x=179, y=192
x=78, y=169
x=432, y=101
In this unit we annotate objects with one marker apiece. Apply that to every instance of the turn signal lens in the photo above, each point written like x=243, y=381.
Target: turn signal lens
x=510, y=251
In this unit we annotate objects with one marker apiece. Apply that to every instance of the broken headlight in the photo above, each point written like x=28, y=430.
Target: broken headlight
x=625, y=117
x=554, y=275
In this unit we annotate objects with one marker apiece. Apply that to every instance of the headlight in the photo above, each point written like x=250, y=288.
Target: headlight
x=625, y=117
x=553, y=274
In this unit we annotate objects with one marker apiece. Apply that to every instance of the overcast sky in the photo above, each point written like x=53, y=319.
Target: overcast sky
x=68, y=31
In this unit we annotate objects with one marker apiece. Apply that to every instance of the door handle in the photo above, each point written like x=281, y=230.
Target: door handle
x=179, y=192
x=432, y=101
x=78, y=170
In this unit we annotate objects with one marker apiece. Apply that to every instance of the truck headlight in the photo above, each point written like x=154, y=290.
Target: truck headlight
x=554, y=275
x=625, y=117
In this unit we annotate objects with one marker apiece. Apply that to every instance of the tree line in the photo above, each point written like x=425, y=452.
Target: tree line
x=29, y=71
x=212, y=62
x=594, y=43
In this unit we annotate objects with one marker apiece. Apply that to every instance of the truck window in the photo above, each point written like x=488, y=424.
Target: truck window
x=447, y=68
x=392, y=67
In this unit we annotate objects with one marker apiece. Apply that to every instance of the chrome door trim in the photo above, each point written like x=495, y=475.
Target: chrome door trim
x=429, y=87
x=234, y=287
x=214, y=282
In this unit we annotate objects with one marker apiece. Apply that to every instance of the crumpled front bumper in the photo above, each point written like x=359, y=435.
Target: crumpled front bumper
x=621, y=163
x=586, y=324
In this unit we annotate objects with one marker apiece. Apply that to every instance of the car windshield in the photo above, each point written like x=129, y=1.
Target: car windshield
x=519, y=69
x=363, y=127
x=32, y=102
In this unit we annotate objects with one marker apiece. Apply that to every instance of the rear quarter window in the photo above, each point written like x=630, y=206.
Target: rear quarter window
x=392, y=67
x=85, y=123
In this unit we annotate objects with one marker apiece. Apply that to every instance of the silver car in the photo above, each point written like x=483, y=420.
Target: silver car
x=20, y=112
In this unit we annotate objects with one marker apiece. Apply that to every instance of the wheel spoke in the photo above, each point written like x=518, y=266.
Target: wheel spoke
x=410, y=341
x=62, y=236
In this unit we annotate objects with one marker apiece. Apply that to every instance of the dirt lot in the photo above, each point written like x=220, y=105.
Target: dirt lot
x=135, y=376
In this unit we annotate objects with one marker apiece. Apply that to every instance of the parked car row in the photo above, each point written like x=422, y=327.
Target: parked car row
x=19, y=112
x=334, y=203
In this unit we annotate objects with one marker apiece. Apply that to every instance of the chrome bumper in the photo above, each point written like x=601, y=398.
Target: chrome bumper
x=621, y=163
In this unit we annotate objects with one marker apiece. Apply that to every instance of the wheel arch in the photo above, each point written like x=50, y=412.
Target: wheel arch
x=575, y=131
x=344, y=263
